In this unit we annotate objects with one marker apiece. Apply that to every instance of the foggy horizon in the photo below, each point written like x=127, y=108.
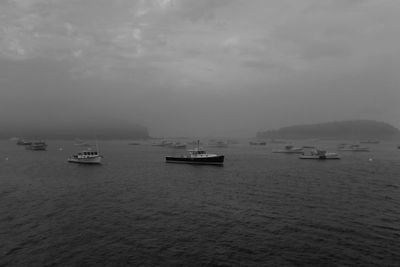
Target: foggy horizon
x=198, y=68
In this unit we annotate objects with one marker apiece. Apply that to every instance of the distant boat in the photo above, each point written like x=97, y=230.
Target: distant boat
x=217, y=144
x=133, y=144
x=37, y=145
x=87, y=156
x=352, y=148
x=289, y=150
x=163, y=143
x=178, y=145
x=233, y=142
x=23, y=142
x=257, y=143
x=320, y=155
x=197, y=156
x=370, y=142
x=80, y=142
x=276, y=141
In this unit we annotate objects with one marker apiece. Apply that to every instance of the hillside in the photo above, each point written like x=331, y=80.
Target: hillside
x=354, y=129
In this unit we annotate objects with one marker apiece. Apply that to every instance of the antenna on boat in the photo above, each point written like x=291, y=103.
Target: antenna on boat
x=97, y=145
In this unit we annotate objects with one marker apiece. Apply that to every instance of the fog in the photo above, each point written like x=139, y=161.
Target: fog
x=198, y=68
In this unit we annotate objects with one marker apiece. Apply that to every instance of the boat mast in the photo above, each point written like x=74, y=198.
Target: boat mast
x=97, y=145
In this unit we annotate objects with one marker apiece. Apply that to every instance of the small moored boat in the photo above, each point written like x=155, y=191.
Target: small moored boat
x=219, y=143
x=257, y=143
x=178, y=145
x=370, y=142
x=289, y=150
x=320, y=154
x=37, y=145
x=80, y=142
x=353, y=148
x=163, y=143
x=23, y=142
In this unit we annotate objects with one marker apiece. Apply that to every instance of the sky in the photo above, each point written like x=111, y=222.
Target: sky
x=199, y=67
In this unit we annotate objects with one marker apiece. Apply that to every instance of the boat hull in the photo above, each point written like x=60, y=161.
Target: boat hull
x=36, y=148
x=319, y=157
x=85, y=161
x=354, y=150
x=216, y=160
x=288, y=152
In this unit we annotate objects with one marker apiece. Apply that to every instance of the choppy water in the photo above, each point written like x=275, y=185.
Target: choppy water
x=260, y=209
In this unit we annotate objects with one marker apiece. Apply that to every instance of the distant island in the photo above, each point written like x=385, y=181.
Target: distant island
x=352, y=129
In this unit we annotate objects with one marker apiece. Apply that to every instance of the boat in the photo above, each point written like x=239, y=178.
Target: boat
x=233, y=142
x=87, y=156
x=277, y=141
x=289, y=149
x=163, y=143
x=319, y=154
x=257, y=143
x=197, y=156
x=352, y=148
x=23, y=142
x=80, y=142
x=220, y=144
x=370, y=142
x=133, y=144
x=37, y=145
x=178, y=145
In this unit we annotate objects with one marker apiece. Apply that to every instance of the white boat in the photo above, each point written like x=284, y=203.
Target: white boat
x=289, y=149
x=352, y=148
x=87, y=156
x=320, y=154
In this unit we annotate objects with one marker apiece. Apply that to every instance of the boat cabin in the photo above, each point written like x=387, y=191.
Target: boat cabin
x=197, y=152
x=87, y=154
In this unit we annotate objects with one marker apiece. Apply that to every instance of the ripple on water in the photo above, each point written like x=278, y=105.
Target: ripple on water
x=260, y=209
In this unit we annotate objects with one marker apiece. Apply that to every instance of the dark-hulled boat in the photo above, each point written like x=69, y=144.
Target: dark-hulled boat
x=37, y=145
x=197, y=156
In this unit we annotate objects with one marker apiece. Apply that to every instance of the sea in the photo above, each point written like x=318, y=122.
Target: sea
x=259, y=209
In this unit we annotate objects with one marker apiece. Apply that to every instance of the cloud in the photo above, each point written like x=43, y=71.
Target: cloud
x=239, y=49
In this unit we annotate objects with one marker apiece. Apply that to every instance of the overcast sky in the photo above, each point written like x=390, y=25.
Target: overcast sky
x=199, y=67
